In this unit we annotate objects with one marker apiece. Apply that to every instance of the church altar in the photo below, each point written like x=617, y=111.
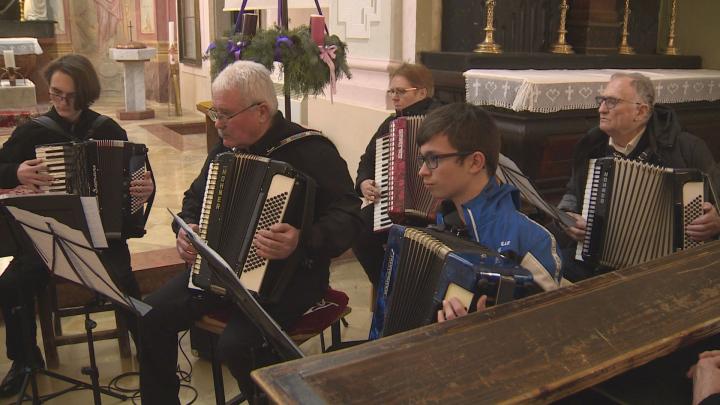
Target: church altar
x=547, y=91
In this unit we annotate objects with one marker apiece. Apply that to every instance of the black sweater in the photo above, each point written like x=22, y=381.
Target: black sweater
x=337, y=210
x=366, y=167
x=21, y=145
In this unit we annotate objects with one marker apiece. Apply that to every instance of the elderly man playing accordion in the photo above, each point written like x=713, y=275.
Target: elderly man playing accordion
x=632, y=127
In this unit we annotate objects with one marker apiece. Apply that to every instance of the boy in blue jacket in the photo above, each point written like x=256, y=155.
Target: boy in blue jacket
x=459, y=149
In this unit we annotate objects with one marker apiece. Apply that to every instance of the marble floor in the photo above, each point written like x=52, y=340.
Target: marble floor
x=176, y=159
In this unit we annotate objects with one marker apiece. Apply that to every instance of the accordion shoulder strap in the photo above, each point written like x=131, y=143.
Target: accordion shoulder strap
x=50, y=124
x=96, y=124
x=294, y=138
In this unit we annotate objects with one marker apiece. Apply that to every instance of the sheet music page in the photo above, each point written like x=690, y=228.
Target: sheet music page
x=82, y=264
x=508, y=172
x=92, y=215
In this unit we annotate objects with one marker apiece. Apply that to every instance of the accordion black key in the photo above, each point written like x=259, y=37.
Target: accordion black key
x=101, y=169
x=637, y=212
x=244, y=194
x=403, y=197
x=423, y=267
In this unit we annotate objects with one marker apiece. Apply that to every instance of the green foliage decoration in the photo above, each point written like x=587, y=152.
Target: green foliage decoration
x=303, y=70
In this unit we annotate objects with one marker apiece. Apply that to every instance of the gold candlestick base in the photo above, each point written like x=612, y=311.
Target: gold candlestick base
x=672, y=51
x=565, y=49
x=626, y=50
x=488, y=47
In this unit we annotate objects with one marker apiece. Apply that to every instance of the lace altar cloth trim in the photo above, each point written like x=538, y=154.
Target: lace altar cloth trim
x=548, y=91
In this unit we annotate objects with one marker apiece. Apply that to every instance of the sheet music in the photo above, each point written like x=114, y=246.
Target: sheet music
x=241, y=296
x=81, y=256
x=92, y=215
x=508, y=172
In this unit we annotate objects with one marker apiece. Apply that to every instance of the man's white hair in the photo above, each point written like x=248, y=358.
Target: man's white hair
x=251, y=79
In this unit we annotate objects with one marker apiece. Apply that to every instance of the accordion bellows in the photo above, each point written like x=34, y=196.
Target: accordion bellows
x=102, y=169
x=637, y=212
x=244, y=194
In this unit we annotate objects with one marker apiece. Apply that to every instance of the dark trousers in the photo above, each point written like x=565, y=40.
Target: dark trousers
x=19, y=284
x=27, y=274
x=176, y=307
x=369, y=247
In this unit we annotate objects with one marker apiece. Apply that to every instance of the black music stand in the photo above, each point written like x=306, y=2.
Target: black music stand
x=274, y=335
x=67, y=253
x=508, y=172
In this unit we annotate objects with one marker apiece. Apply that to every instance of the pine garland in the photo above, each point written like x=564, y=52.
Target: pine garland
x=304, y=72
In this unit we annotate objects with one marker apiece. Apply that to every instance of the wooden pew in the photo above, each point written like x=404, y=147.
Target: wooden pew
x=539, y=349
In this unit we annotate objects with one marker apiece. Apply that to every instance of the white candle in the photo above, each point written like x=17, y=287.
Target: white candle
x=9, y=58
x=171, y=32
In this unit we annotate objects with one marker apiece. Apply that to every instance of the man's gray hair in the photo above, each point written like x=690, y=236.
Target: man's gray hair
x=251, y=79
x=642, y=85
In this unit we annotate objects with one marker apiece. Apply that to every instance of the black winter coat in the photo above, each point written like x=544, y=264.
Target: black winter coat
x=664, y=143
x=337, y=210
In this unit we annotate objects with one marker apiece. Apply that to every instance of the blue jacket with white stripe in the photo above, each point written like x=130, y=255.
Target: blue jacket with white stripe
x=493, y=220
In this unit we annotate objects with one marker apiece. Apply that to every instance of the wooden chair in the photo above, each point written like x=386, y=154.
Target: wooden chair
x=63, y=298
x=328, y=313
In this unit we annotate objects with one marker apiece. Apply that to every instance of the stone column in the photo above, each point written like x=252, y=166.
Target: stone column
x=133, y=61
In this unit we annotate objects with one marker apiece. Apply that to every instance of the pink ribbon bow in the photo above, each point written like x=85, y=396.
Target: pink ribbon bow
x=327, y=55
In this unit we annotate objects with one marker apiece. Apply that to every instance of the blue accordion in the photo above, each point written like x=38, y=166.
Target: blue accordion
x=423, y=267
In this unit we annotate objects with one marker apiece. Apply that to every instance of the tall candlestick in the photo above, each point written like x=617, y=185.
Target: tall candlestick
x=561, y=46
x=9, y=56
x=671, y=48
x=625, y=48
x=317, y=29
x=489, y=45
x=171, y=32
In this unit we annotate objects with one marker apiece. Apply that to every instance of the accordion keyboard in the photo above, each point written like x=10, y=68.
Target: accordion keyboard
x=381, y=217
x=588, y=207
x=57, y=163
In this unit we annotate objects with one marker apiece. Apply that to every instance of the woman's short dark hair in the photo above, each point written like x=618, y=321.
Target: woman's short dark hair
x=81, y=70
x=469, y=128
x=418, y=75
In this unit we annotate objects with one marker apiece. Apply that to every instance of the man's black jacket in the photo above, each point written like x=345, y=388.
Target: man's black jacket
x=337, y=209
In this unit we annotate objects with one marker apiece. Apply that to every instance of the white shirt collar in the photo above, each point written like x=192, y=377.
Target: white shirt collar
x=627, y=149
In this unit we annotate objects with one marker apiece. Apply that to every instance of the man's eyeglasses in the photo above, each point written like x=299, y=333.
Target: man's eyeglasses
x=432, y=160
x=612, y=102
x=215, y=116
x=400, y=92
x=62, y=98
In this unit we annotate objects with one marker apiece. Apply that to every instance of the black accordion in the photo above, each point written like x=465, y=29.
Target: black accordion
x=637, y=212
x=423, y=267
x=403, y=197
x=101, y=169
x=244, y=194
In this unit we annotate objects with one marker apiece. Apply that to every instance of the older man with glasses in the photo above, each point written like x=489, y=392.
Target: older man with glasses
x=246, y=116
x=633, y=127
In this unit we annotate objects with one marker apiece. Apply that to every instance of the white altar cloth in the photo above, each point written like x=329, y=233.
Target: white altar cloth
x=21, y=46
x=549, y=91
